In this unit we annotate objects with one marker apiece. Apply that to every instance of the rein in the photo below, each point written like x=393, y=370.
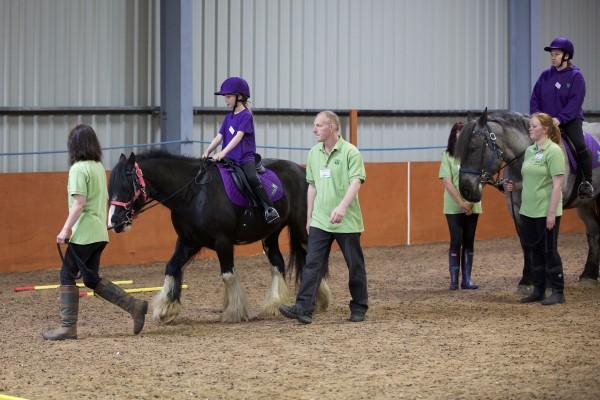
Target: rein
x=139, y=185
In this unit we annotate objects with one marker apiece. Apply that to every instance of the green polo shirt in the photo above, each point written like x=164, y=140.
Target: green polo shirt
x=331, y=175
x=88, y=179
x=539, y=166
x=449, y=168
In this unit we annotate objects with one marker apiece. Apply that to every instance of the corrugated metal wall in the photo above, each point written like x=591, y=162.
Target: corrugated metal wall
x=69, y=53
x=334, y=54
x=367, y=54
x=579, y=20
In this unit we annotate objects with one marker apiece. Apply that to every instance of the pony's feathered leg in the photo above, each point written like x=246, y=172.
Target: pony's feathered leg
x=279, y=292
x=324, y=297
x=235, y=303
x=166, y=305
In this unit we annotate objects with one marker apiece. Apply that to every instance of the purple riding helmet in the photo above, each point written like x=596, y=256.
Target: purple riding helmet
x=234, y=85
x=562, y=43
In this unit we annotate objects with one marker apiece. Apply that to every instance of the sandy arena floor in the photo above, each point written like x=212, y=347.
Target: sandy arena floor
x=419, y=340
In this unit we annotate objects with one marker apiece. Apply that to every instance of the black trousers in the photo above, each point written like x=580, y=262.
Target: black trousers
x=574, y=131
x=541, y=243
x=84, y=258
x=319, y=247
x=462, y=231
x=249, y=168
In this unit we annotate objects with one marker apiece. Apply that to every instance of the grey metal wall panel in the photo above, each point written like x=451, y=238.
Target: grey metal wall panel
x=577, y=20
x=372, y=54
x=69, y=53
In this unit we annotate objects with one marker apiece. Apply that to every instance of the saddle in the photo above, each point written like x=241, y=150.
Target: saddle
x=238, y=188
x=592, y=145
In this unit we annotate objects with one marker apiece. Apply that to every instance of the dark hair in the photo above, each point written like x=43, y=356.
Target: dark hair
x=83, y=144
x=457, y=127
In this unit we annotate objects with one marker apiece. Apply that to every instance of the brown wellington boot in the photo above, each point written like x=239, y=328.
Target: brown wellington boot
x=69, y=306
x=114, y=294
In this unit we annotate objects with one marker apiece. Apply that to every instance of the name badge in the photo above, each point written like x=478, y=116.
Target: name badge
x=538, y=156
x=231, y=130
x=557, y=85
x=325, y=173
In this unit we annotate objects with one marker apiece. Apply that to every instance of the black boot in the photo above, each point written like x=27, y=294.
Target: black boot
x=557, y=297
x=467, y=265
x=585, y=189
x=69, y=307
x=271, y=214
x=537, y=294
x=453, y=267
x=114, y=294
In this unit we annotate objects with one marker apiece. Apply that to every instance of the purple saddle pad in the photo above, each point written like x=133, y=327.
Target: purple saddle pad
x=270, y=181
x=592, y=145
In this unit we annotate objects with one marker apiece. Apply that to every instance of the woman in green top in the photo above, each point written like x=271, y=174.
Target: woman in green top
x=85, y=231
x=461, y=216
x=543, y=173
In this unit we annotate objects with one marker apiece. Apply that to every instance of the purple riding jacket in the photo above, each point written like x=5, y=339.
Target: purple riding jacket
x=559, y=94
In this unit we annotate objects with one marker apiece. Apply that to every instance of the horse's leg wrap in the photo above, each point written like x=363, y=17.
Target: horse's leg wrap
x=116, y=295
x=278, y=294
x=235, y=303
x=69, y=307
x=165, y=305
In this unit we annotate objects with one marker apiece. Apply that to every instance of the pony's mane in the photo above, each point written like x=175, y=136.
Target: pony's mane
x=162, y=154
x=507, y=120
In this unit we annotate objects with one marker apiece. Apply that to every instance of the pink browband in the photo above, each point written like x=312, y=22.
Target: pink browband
x=140, y=189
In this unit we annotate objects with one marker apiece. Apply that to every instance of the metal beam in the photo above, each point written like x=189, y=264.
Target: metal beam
x=519, y=55
x=176, y=122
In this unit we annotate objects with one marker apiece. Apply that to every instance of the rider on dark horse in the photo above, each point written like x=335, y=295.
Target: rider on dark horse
x=237, y=135
x=559, y=92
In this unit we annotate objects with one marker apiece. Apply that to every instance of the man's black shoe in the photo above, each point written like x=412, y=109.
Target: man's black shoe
x=292, y=312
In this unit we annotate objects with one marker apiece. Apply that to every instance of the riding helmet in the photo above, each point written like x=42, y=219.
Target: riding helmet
x=234, y=85
x=562, y=43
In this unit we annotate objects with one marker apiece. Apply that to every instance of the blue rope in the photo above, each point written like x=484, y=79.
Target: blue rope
x=129, y=146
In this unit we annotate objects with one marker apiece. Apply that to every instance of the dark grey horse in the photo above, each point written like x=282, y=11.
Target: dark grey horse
x=497, y=142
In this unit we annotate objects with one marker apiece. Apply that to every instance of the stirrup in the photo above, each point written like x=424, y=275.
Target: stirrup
x=271, y=215
x=585, y=190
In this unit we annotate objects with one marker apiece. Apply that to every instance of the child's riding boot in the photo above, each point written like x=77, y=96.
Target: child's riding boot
x=271, y=214
x=114, y=294
x=69, y=306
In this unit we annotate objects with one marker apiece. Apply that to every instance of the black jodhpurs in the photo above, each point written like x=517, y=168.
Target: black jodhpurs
x=541, y=243
x=84, y=258
x=574, y=131
x=462, y=231
x=319, y=246
x=249, y=168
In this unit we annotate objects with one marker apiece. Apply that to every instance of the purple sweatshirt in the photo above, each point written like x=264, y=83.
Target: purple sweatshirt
x=559, y=94
x=232, y=124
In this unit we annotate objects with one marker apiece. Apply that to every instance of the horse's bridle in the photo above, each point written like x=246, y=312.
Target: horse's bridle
x=139, y=190
x=489, y=141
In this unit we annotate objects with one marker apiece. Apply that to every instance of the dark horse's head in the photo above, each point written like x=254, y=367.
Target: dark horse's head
x=126, y=191
x=484, y=144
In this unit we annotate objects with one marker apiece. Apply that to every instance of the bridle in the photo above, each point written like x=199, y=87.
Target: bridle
x=496, y=153
x=139, y=190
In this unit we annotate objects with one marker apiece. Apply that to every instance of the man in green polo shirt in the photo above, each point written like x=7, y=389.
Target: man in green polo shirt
x=335, y=172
